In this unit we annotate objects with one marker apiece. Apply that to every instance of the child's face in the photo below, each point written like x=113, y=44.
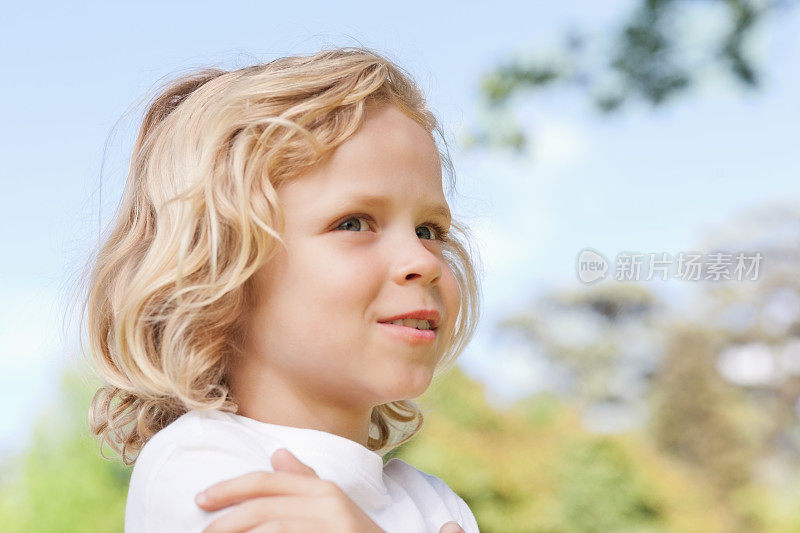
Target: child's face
x=316, y=320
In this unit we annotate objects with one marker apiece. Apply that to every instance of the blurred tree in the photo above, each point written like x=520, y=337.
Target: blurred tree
x=533, y=468
x=60, y=483
x=652, y=57
x=693, y=410
x=604, y=338
x=720, y=374
x=759, y=321
x=603, y=490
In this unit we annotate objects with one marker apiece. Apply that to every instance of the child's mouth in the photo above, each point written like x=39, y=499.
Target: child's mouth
x=409, y=334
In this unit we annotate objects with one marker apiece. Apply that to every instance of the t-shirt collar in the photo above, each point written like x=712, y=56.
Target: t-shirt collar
x=350, y=464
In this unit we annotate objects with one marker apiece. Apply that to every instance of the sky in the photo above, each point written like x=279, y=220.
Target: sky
x=643, y=180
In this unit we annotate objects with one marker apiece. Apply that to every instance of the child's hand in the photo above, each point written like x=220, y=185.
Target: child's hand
x=293, y=498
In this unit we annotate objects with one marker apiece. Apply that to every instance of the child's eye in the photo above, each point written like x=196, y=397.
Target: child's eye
x=440, y=233
x=358, y=226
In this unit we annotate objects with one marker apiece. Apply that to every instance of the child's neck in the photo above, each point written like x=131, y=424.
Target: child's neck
x=264, y=395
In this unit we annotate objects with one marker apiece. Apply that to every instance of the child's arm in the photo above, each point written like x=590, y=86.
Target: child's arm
x=294, y=496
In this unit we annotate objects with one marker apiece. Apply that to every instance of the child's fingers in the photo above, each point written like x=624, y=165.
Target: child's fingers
x=289, y=512
x=451, y=527
x=256, y=484
x=280, y=526
x=285, y=461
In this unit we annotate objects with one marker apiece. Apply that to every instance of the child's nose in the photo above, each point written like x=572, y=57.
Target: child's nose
x=415, y=260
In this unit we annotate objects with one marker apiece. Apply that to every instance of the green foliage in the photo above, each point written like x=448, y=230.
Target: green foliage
x=61, y=483
x=534, y=469
x=600, y=490
x=642, y=59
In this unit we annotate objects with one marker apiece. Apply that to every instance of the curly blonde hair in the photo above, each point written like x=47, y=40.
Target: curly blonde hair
x=199, y=214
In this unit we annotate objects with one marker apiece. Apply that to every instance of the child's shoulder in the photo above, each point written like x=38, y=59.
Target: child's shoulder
x=412, y=478
x=397, y=468
x=199, y=430
x=195, y=451
x=197, y=442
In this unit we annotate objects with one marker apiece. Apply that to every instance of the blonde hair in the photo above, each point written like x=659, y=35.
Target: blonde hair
x=199, y=215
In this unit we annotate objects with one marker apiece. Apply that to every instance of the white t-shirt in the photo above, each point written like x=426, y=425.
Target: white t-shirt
x=202, y=448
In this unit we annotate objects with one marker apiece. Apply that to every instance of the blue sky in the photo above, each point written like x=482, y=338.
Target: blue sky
x=647, y=180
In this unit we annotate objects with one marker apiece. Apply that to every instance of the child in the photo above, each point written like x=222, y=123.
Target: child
x=283, y=277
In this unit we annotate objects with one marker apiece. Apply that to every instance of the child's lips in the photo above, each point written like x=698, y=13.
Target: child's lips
x=408, y=334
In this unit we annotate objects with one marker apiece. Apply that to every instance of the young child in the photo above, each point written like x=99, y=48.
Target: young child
x=282, y=278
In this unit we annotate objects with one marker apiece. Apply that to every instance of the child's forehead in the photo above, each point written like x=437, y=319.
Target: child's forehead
x=429, y=204
x=388, y=136
x=376, y=169
x=395, y=127
x=390, y=159
x=312, y=199
x=373, y=192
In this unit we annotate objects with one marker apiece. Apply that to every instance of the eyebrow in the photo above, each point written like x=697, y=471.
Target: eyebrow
x=382, y=201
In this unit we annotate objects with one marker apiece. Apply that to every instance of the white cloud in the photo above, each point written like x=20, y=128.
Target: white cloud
x=560, y=144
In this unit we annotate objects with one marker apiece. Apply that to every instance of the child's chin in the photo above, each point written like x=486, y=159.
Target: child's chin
x=409, y=384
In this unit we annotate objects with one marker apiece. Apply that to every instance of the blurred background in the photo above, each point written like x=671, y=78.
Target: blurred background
x=626, y=127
